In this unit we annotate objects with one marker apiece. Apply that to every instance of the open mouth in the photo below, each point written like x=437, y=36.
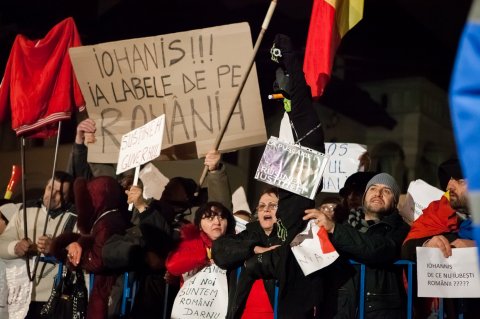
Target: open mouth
x=267, y=217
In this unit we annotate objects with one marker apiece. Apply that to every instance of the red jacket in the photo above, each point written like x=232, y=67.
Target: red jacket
x=39, y=84
x=191, y=253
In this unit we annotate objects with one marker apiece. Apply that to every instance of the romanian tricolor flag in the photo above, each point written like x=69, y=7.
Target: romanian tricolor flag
x=465, y=109
x=330, y=21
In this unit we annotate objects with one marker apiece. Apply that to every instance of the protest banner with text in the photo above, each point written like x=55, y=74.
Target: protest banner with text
x=291, y=167
x=192, y=77
x=454, y=277
x=141, y=145
x=203, y=295
x=344, y=161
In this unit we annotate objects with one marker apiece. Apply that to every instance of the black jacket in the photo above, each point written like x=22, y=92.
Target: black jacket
x=378, y=248
x=230, y=252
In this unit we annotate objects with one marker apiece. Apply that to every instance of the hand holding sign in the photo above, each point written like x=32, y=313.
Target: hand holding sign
x=140, y=146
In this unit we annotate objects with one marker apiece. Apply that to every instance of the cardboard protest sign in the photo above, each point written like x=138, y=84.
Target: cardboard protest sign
x=141, y=145
x=344, y=161
x=454, y=277
x=191, y=77
x=203, y=295
x=419, y=195
x=291, y=167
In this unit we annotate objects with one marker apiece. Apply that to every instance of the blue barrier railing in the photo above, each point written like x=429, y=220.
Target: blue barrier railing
x=361, y=306
x=129, y=290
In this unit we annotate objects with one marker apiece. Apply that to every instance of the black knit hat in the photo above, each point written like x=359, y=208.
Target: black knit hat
x=449, y=169
x=356, y=183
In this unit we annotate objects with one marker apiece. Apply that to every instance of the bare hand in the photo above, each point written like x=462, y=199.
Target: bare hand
x=212, y=159
x=43, y=244
x=463, y=243
x=260, y=250
x=74, y=253
x=441, y=243
x=22, y=247
x=321, y=219
x=135, y=197
x=85, y=132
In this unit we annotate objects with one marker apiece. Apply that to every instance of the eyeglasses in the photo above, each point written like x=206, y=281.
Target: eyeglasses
x=269, y=206
x=328, y=207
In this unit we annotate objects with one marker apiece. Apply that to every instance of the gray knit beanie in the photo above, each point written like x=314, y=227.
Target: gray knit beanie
x=385, y=179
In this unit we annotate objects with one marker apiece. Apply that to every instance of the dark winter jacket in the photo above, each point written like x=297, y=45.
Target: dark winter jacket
x=378, y=248
x=230, y=252
x=299, y=295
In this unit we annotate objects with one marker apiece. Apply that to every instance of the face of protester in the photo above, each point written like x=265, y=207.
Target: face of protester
x=354, y=200
x=328, y=209
x=214, y=223
x=379, y=199
x=457, y=189
x=267, y=211
x=55, y=194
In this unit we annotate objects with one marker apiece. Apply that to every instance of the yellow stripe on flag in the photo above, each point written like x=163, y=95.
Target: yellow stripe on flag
x=347, y=14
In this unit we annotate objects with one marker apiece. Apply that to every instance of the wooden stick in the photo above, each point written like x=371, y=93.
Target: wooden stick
x=219, y=138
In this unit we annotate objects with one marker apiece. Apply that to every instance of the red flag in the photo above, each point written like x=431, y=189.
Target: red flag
x=39, y=84
x=325, y=243
x=329, y=22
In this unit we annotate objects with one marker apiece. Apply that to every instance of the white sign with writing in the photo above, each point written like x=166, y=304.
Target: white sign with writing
x=141, y=145
x=192, y=77
x=312, y=249
x=291, y=167
x=344, y=161
x=419, y=195
x=454, y=277
x=203, y=295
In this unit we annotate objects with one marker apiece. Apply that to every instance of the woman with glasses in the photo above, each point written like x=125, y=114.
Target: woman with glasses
x=250, y=297
x=211, y=221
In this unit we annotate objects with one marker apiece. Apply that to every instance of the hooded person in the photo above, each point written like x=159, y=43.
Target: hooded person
x=101, y=214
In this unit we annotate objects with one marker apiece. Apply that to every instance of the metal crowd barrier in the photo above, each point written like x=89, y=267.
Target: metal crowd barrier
x=409, y=265
x=361, y=306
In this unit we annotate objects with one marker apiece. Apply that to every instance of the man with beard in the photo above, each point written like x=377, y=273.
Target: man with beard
x=56, y=209
x=373, y=236
x=444, y=224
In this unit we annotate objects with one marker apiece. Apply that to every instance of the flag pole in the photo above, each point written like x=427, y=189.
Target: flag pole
x=24, y=201
x=220, y=135
x=52, y=184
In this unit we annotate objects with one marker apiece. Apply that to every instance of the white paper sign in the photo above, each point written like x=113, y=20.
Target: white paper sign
x=16, y=288
x=141, y=145
x=203, y=295
x=307, y=249
x=419, y=195
x=153, y=180
x=291, y=167
x=454, y=277
x=344, y=161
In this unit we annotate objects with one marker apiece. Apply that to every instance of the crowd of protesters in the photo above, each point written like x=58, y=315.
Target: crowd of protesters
x=164, y=242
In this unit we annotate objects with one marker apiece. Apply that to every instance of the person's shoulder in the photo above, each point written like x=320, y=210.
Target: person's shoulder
x=395, y=220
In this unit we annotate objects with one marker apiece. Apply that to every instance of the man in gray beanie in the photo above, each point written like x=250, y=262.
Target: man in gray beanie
x=373, y=236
